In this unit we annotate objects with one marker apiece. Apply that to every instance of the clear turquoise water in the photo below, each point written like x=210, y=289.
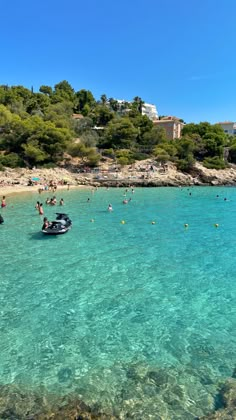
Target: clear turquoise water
x=140, y=317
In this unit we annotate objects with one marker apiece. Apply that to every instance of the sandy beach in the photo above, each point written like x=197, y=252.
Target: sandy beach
x=16, y=189
x=14, y=181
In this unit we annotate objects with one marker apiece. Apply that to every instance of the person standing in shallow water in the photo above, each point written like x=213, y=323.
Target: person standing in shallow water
x=3, y=203
x=41, y=212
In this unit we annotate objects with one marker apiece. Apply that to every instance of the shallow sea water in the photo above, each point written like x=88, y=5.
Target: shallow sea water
x=138, y=317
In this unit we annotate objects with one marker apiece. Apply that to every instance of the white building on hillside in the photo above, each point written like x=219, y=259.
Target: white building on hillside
x=147, y=109
x=228, y=127
x=150, y=110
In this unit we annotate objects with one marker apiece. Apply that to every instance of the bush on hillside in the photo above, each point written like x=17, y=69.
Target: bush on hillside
x=185, y=165
x=11, y=160
x=140, y=156
x=49, y=165
x=108, y=153
x=122, y=160
x=232, y=153
x=124, y=157
x=214, y=163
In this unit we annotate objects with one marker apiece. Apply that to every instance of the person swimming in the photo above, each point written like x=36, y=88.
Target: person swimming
x=110, y=208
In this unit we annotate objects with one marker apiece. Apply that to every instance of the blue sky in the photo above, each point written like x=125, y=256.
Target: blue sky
x=176, y=54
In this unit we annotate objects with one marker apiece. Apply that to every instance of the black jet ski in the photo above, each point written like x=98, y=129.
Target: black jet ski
x=64, y=218
x=59, y=226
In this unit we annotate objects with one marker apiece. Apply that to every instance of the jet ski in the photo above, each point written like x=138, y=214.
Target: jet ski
x=59, y=226
x=64, y=218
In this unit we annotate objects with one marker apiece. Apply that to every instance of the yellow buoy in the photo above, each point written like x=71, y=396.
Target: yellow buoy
x=122, y=222
x=216, y=225
x=153, y=223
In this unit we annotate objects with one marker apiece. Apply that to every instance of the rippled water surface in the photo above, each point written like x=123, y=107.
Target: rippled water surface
x=138, y=316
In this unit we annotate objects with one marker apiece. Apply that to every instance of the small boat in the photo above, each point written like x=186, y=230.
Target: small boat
x=59, y=226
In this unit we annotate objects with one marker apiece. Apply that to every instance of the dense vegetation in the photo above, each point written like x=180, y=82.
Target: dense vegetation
x=38, y=129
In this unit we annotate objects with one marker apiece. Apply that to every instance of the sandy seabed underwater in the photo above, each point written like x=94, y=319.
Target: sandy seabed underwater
x=133, y=311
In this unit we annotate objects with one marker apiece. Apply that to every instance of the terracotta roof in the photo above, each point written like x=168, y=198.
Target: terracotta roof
x=169, y=118
x=226, y=122
x=77, y=116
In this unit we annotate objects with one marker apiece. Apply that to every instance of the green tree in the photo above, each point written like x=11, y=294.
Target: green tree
x=63, y=91
x=114, y=104
x=33, y=154
x=156, y=135
x=82, y=125
x=46, y=90
x=185, y=149
x=124, y=157
x=84, y=101
x=101, y=115
x=161, y=154
x=137, y=104
x=60, y=114
x=120, y=134
x=89, y=138
x=143, y=124
x=11, y=160
x=103, y=99
x=88, y=155
x=5, y=116
x=232, y=153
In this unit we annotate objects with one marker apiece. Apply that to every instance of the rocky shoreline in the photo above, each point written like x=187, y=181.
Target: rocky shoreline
x=140, y=174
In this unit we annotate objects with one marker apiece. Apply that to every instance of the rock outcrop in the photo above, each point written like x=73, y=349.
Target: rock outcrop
x=141, y=174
